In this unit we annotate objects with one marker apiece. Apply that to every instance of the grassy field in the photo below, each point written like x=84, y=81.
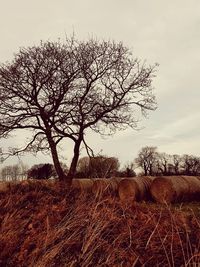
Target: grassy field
x=43, y=225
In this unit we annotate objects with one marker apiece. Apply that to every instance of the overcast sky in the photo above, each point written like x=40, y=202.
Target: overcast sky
x=167, y=32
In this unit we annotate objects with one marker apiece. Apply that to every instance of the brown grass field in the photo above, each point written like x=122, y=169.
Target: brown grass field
x=46, y=225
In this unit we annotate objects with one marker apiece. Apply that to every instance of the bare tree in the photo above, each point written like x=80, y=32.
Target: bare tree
x=163, y=164
x=83, y=167
x=1, y=155
x=191, y=165
x=128, y=170
x=61, y=90
x=102, y=166
x=6, y=173
x=98, y=167
x=147, y=159
x=24, y=168
x=176, y=164
x=34, y=91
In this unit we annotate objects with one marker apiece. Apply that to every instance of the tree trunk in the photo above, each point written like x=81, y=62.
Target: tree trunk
x=72, y=169
x=150, y=170
x=61, y=175
x=145, y=170
x=176, y=169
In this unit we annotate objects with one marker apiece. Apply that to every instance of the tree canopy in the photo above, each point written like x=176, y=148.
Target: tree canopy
x=41, y=171
x=59, y=90
x=98, y=167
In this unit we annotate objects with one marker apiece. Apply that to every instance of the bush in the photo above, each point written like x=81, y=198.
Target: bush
x=41, y=171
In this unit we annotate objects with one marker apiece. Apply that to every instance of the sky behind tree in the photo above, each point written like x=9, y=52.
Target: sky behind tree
x=160, y=31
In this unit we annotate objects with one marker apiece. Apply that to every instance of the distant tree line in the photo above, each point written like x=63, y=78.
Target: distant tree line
x=154, y=163
x=90, y=167
x=149, y=161
x=103, y=166
x=14, y=172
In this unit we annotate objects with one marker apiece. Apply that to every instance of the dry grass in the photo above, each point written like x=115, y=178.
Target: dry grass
x=48, y=226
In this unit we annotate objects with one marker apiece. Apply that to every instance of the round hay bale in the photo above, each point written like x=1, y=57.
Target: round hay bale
x=135, y=189
x=103, y=186
x=193, y=188
x=84, y=185
x=175, y=189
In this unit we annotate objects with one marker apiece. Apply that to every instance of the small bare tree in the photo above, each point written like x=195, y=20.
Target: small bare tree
x=98, y=167
x=176, y=164
x=190, y=165
x=128, y=170
x=61, y=90
x=147, y=159
x=163, y=164
x=83, y=167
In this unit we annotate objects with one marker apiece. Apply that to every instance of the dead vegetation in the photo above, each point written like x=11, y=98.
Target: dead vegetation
x=42, y=225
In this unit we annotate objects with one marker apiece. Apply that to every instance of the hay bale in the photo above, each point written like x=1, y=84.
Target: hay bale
x=80, y=184
x=194, y=188
x=135, y=189
x=34, y=184
x=103, y=186
x=175, y=189
x=84, y=185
